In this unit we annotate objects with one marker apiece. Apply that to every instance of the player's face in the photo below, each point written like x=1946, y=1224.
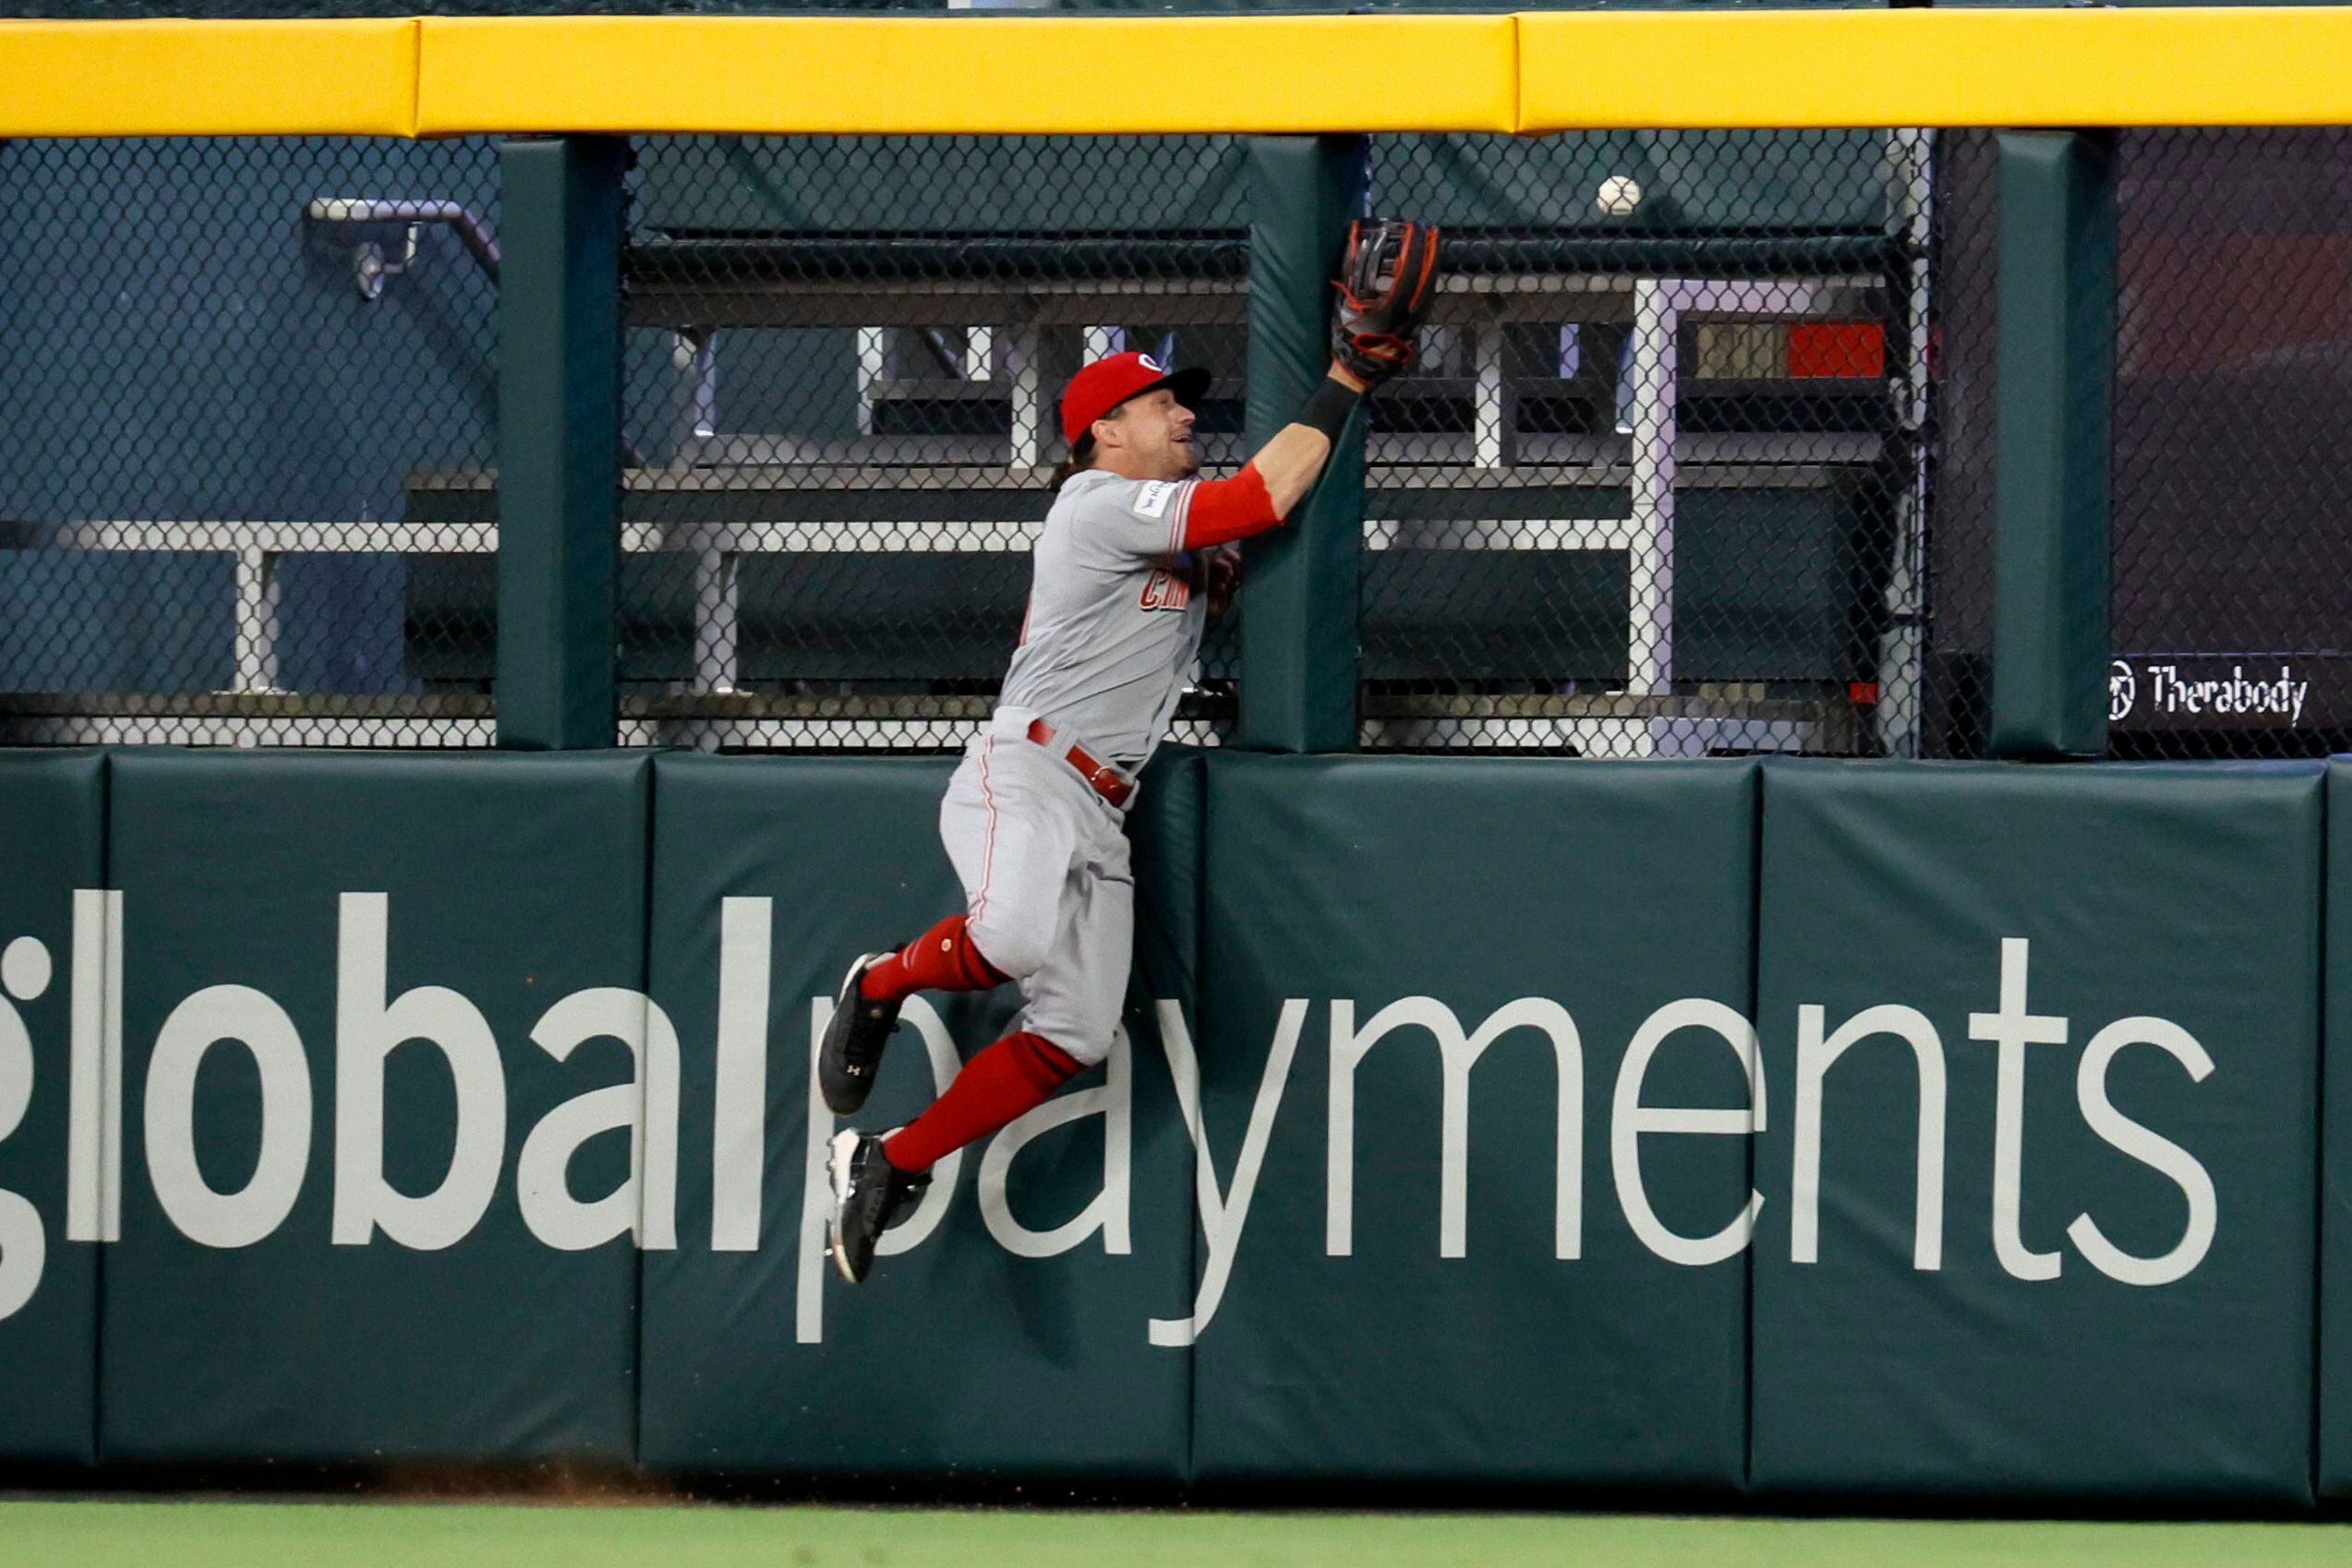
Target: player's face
x=1153, y=437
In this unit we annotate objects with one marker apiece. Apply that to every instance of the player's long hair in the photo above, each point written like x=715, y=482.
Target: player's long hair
x=1081, y=459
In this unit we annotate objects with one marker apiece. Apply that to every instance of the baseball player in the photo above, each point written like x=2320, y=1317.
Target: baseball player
x=1034, y=818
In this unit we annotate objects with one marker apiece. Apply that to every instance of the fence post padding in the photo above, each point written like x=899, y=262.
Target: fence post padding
x=1012, y=1339
x=2107, y=978
x=2051, y=564
x=1299, y=665
x=558, y=560
x=296, y=927
x=54, y=805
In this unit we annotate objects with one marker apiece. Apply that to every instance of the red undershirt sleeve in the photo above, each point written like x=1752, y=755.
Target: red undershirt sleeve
x=1223, y=510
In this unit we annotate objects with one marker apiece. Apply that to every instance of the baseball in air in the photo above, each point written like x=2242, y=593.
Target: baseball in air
x=1618, y=195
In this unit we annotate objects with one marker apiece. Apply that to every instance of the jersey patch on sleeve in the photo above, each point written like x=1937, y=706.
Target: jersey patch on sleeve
x=1152, y=499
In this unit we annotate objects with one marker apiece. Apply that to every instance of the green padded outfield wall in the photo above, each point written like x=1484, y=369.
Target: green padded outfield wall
x=1445, y=1246
x=1367, y=973
x=1012, y=1337
x=54, y=806
x=2335, y=1147
x=2111, y=975
x=269, y=1299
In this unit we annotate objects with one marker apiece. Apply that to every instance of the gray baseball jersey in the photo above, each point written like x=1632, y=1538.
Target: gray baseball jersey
x=1114, y=627
x=1114, y=624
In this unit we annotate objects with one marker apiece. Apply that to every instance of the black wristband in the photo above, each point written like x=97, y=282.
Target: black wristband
x=1328, y=409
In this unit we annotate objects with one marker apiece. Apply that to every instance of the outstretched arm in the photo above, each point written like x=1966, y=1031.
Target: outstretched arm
x=1285, y=469
x=1385, y=285
x=1292, y=461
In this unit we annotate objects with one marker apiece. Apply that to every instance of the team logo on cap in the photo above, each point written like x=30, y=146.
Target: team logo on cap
x=1152, y=365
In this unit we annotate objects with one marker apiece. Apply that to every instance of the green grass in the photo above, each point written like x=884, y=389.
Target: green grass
x=395, y=1535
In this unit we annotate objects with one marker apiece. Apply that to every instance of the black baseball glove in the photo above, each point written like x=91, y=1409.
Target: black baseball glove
x=1385, y=284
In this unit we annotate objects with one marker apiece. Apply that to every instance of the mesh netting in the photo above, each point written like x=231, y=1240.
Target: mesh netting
x=845, y=359
x=1955, y=611
x=2233, y=397
x=251, y=394
x=1698, y=457
x=1653, y=487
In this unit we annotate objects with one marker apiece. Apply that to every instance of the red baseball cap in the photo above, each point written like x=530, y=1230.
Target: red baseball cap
x=1106, y=384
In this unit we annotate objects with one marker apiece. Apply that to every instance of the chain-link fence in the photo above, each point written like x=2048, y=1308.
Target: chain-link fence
x=2232, y=469
x=845, y=360
x=1654, y=487
x=1962, y=357
x=248, y=413
x=1698, y=457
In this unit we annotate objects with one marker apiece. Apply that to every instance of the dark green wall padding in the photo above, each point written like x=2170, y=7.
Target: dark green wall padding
x=2336, y=1146
x=957, y=1356
x=1281, y=899
x=54, y=807
x=2189, y=893
x=1507, y=1362
x=512, y=880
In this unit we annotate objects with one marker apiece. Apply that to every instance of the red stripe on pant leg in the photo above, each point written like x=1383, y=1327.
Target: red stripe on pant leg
x=988, y=848
x=942, y=958
x=1011, y=1079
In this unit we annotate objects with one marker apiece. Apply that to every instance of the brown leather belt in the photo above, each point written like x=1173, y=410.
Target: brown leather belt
x=1107, y=784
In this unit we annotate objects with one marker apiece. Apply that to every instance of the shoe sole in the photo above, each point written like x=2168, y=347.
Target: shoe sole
x=838, y=1153
x=844, y=996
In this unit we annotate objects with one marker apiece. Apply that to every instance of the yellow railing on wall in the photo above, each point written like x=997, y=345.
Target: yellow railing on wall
x=1066, y=74
x=1530, y=73
x=209, y=78
x=2188, y=66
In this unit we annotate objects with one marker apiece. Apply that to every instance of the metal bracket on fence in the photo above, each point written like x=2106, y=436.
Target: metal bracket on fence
x=370, y=266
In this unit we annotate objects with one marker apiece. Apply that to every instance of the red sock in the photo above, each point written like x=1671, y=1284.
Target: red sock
x=942, y=958
x=1017, y=1074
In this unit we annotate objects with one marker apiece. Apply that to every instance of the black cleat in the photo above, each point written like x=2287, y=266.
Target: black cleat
x=854, y=1041
x=869, y=1195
